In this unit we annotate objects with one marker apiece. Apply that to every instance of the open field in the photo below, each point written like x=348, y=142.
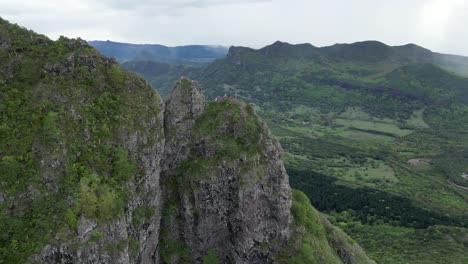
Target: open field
x=373, y=126
x=394, y=245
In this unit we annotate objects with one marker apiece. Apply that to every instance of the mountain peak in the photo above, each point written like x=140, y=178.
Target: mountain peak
x=414, y=51
x=185, y=103
x=285, y=49
x=279, y=43
x=237, y=49
x=221, y=163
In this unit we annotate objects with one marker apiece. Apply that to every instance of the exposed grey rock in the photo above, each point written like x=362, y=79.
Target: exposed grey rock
x=147, y=147
x=84, y=227
x=73, y=61
x=347, y=252
x=241, y=213
x=185, y=104
x=107, y=242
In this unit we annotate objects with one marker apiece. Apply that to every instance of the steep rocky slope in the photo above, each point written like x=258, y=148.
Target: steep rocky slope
x=80, y=148
x=227, y=186
x=95, y=169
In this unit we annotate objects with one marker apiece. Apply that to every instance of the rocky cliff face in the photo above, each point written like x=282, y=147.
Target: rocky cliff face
x=121, y=235
x=214, y=173
x=227, y=189
x=81, y=143
x=95, y=169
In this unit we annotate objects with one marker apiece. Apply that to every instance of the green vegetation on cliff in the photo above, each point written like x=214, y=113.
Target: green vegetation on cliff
x=230, y=130
x=64, y=109
x=315, y=240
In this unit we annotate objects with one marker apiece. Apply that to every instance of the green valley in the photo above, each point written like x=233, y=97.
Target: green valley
x=377, y=130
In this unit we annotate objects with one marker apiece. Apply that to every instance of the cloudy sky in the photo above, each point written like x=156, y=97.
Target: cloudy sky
x=440, y=25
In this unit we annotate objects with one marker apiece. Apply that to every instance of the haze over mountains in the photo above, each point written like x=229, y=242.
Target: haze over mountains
x=191, y=54
x=161, y=70
x=365, y=51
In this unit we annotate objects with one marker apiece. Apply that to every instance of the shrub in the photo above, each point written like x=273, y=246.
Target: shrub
x=71, y=219
x=109, y=204
x=87, y=201
x=123, y=168
x=50, y=129
x=142, y=215
x=9, y=170
x=133, y=247
x=211, y=257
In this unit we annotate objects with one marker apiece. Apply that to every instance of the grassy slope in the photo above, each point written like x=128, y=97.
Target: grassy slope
x=392, y=245
x=315, y=240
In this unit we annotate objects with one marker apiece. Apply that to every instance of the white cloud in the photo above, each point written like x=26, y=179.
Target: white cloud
x=437, y=18
x=435, y=24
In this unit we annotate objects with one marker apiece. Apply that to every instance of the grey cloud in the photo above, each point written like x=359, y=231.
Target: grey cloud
x=174, y=4
x=435, y=24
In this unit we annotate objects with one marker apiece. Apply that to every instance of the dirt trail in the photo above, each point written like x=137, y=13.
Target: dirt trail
x=456, y=185
x=420, y=161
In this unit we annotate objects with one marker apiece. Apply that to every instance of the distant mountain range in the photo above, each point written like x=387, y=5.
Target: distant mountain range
x=364, y=52
x=191, y=54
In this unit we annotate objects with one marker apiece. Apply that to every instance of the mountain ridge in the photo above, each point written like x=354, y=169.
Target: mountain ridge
x=282, y=53
x=360, y=51
x=190, y=54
